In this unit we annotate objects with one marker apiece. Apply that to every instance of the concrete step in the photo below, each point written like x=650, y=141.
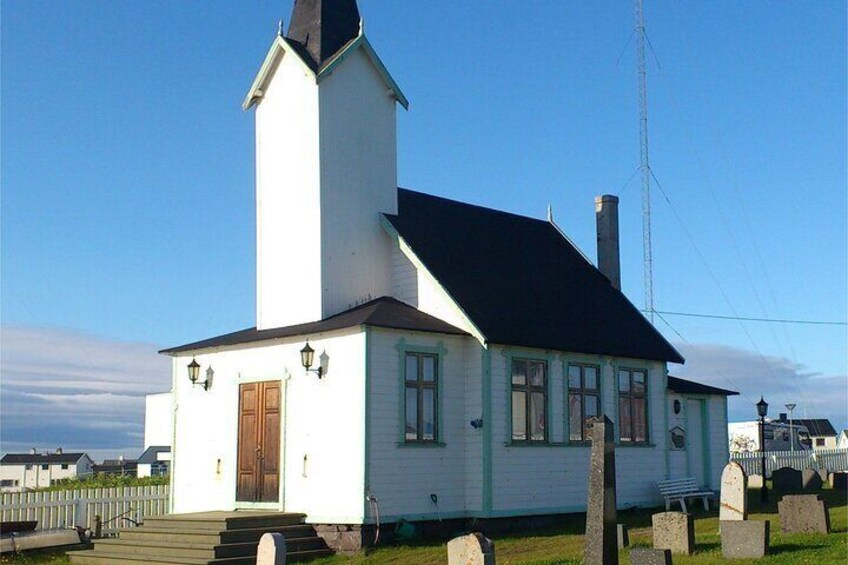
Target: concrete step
x=200, y=551
x=94, y=557
x=219, y=521
x=147, y=532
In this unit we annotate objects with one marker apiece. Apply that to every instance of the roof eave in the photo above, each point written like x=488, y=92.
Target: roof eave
x=278, y=48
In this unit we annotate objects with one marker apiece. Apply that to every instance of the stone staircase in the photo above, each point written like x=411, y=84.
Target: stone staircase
x=205, y=538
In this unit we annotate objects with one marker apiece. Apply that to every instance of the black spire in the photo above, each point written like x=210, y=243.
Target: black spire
x=322, y=27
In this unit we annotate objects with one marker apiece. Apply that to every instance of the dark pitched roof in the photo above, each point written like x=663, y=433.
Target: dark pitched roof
x=682, y=386
x=522, y=282
x=40, y=458
x=151, y=453
x=384, y=312
x=818, y=427
x=320, y=28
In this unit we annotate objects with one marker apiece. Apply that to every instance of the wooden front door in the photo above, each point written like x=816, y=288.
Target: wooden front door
x=259, y=442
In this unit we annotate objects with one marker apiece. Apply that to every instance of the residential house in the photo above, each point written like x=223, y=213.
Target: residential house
x=415, y=357
x=154, y=462
x=25, y=471
x=842, y=441
x=119, y=466
x=822, y=433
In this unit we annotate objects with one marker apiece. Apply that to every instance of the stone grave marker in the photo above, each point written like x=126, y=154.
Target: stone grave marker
x=601, y=546
x=811, y=480
x=838, y=481
x=674, y=531
x=803, y=513
x=786, y=479
x=734, y=493
x=471, y=549
x=271, y=550
x=643, y=556
x=747, y=539
x=623, y=536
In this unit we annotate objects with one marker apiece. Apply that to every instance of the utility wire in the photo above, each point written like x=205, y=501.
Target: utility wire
x=747, y=319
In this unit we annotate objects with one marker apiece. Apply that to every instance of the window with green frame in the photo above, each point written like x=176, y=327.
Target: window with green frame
x=583, y=400
x=529, y=384
x=632, y=405
x=421, y=389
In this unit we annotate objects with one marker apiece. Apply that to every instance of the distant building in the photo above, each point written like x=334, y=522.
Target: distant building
x=822, y=433
x=119, y=466
x=155, y=461
x=25, y=471
x=842, y=440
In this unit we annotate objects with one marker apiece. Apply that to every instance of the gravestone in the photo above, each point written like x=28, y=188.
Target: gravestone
x=755, y=481
x=642, y=556
x=786, y=479
x=271, y=550
x=838, y=481
x=747, y=539
x=734, y=493
x=811, y=480
x=601, y=547
x=674, y=531
x=623, y=536
x=803, y=513
x=471, y=549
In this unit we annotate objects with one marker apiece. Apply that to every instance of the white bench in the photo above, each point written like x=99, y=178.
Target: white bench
x=681, y=489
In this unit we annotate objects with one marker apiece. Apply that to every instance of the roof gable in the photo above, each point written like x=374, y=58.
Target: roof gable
x=521, y=282
x=682, y=386
x=818, y=427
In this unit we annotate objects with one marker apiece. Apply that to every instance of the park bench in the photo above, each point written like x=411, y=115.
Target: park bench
x=681, y=489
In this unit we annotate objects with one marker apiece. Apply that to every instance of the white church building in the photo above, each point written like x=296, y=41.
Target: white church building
x=458, y=352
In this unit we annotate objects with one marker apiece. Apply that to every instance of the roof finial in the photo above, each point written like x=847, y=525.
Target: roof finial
x=550, y=213
x=280, y=28
x=361, y=25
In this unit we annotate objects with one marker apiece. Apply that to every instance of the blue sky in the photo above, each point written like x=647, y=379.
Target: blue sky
x=127, y=171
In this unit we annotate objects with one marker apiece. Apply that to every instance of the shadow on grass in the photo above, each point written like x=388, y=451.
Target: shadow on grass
x=793, y=547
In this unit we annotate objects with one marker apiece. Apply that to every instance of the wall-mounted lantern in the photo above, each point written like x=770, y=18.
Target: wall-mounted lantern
x=307, y=355
x=194, y=374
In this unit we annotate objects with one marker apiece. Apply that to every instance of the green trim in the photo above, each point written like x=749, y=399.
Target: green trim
x=687, y=422
x=648, y=387
x=568, y=360
x=548, y=358
x=419, y=444
x=486, y=359
x=367, y=468
x=439, y=351
x=705, y=441
x=637, y=446
x=543, y=444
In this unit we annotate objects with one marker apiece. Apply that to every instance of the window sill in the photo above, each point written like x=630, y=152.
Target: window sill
x=617, y=445
x=420, y=444
x=534, y=444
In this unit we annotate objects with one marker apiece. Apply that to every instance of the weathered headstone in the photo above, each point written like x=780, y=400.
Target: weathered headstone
x=838, y=481
x=271, y=550
x=786, y=479
x=623, y=536
x=471, y=549
x=734, y=493
x=755, y=481
x=803, y=513
x=643, y=556
x=601, y=547
x=811, y=480
x=674, y=531
x=747, y=539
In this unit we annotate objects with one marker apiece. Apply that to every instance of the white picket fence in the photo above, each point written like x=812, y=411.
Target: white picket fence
x=824, y=459
x=67, y=508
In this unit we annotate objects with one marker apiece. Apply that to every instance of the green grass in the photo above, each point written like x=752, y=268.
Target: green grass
x=563, y=545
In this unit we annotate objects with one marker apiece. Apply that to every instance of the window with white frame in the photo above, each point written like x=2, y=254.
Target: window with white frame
x=421, y=389
x=529, y=400
x=583, y=400
x=632, y=406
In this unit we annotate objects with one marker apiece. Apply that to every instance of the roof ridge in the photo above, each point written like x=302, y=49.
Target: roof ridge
x=476, y=206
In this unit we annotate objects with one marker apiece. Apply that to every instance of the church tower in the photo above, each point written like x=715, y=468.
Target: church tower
x=326, y=167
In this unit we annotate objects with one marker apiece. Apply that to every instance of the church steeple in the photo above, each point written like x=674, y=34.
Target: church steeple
x=320, y=28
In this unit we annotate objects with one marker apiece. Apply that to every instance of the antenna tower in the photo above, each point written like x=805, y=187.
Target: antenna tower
x=644, y=166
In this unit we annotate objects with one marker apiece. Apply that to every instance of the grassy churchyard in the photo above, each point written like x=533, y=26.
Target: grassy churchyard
x=564, y=545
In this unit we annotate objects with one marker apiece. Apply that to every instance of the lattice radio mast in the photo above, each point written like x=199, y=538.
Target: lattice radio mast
x=642, y=75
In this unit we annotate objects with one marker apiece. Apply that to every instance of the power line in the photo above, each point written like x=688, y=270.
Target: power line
x=747, y=319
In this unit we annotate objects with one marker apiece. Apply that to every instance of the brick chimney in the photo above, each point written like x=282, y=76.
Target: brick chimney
x=606, y=215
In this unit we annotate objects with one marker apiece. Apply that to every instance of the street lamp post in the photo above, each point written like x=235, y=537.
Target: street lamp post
x=791, y=407
x=762, y=410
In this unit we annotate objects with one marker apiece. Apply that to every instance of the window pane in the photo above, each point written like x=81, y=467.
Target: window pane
x=590, y=413
x=429, y=368
x=537, y=374
x=574, y=376
x=639, y=429
x=590, y=377
x=575, y=428
x=638, y=383
x=519, y=416
x=624, y=381
x=519, y=372
x=537, y=416
x=411, y=414
x=428, y=420
x=412, y=367
x=624, y=427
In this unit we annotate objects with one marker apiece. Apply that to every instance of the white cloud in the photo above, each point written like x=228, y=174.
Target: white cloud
x=777, y=379
x=64, y=388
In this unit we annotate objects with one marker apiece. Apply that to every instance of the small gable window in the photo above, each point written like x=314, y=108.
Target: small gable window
x=421, y=397
x=529, y=400
x=64, y=466
x=632, y=406
x=819, y=442
x=583, y=401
